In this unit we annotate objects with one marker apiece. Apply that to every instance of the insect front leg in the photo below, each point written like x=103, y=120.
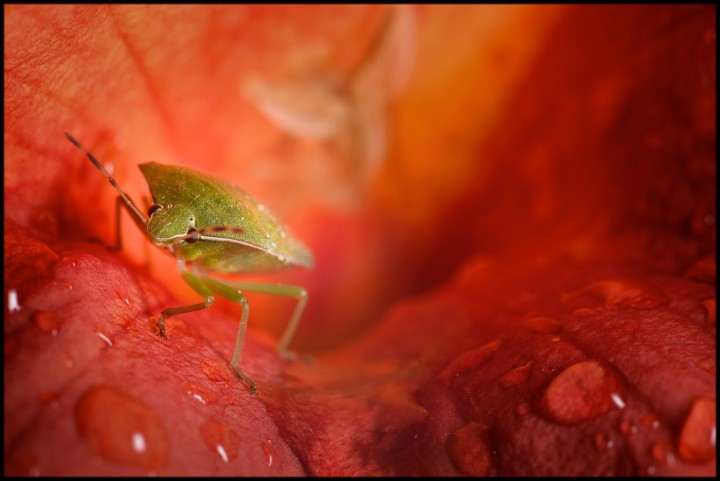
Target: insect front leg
x=198, y=286
x=235, y=295
x=296, y=292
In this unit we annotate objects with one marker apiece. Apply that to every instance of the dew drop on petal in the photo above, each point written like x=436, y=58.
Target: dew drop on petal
x=122, y=429
x=469, y=450
x=516, y=376
x=698, y=434
x=543, y=325
x=199, y=394
x=220, y=439
x=710, y=312
x=581, y=392
x=662, y=453
x=268, y=451
x=468, y=361
x=47, y=322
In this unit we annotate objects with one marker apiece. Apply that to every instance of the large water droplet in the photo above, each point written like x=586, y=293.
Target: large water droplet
x=121, y=429
x=581, y=392
x=468, y=361
x=469, y=450
x=697, y=438
x=220, y=439
x=47, y=322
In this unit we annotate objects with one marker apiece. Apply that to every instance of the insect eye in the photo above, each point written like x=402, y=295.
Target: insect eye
x=153, y=208
x=192, y=235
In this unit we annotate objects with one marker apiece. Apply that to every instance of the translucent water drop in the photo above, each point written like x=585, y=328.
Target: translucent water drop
x=710, y=312
x=698, y=435
x=468, y=361
x=543, y=325
x=48, y=322
x=470, y=451
x=268, y=452
x=516, y=376
x=220, y=440
x=121, y=429
x=581, y=392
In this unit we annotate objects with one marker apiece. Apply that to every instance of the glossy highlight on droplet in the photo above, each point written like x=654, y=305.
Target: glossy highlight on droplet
x=220, y=439
x=268, y=452
x=122, y=429
x=13, y=303
x=581, y=392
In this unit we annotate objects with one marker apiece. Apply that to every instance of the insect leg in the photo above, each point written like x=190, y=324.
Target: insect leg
x=198, y=286
x=234, y=295
x=280, y=290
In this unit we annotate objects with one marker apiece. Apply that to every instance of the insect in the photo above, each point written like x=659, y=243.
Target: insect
x=211, y=226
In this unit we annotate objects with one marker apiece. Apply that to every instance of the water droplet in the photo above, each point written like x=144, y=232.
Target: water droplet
x=617, y=400
x=469, y=450
x=517, y=376
x=522, y=409
x=199, y=394
x=48, y=322
x=68, y=260
x=67, y=360
x=710, y=312
x=268, y=451
x=124, y=298
x=543, y=325
x=617, y=293
x=698, y=435
x=50, y=399
x=628, y=428
x=215, y=371
x=650, y=421
x=267, y=235
x=105, y=339
x=602, y=443
x=13, y=303
x=662, y=453
x=581, y=392
x=707, y=365
x=468, y=361
x=220, y=439
x=121, y=429
x=67, y=285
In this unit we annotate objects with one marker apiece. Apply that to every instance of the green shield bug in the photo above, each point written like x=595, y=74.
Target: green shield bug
x=211, y=226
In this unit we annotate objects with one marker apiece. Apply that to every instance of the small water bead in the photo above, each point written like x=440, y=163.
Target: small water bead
x=220, y=440
x=121, y=429
x=48, y=322
x=516, y=376
x=268, y=451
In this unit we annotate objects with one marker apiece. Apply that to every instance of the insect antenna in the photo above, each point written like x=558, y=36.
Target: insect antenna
x=128, y=201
